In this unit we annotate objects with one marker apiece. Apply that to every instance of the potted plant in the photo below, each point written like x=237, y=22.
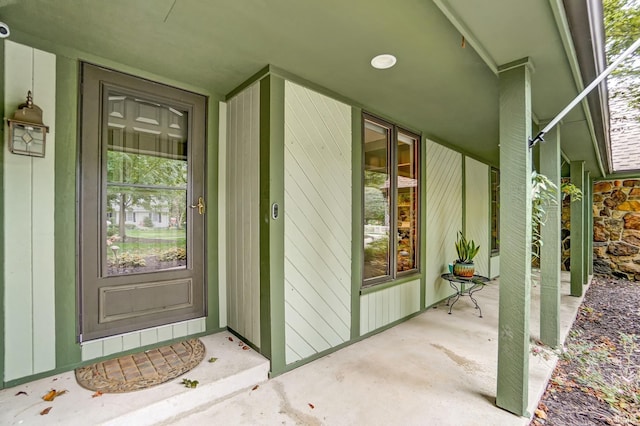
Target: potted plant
x=467, y=250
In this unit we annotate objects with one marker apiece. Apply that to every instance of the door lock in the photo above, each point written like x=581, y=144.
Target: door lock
x=201, y=206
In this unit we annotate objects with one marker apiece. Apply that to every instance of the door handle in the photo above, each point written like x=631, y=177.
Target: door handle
x=202, y=207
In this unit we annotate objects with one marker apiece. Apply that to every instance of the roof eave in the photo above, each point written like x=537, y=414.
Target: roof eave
x=586, y=23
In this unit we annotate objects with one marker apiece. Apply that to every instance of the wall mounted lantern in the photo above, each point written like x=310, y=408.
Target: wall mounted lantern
x=27, y=132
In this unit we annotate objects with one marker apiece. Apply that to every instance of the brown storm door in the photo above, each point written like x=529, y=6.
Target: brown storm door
x=142, y=205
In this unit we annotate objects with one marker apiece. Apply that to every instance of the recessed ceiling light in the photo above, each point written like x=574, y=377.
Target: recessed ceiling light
x=384, y=61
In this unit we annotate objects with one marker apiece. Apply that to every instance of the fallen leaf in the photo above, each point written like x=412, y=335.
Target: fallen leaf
x=22, y=393
x=312, y=406
x=50, y=396
x=255, y=387
x=541, y=414
x=245, y=348
x=190, y=383
x=230, y=338
x=213, y=359
x=97, y=394
x=45, y=411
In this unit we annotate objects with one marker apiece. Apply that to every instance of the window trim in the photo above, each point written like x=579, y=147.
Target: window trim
x=392, y=159
x=495, y=249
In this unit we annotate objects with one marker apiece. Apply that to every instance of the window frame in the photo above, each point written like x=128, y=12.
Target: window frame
x=494, y=189
x=392, y=160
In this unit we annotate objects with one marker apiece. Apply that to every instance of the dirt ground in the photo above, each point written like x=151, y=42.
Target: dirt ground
x=597, y=379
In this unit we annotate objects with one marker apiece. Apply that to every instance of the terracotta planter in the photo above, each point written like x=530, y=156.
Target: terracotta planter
x=464, y=270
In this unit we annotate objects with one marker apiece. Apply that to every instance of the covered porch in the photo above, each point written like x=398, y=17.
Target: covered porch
x=432, y=369
x=286, y=100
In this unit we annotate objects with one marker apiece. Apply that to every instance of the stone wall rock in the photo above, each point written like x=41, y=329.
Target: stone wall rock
x=631, y=237
x=600, y=233
x=622, y=249
x=631, y=221
x=628, y=206
x=603, y=186
x=616, y=229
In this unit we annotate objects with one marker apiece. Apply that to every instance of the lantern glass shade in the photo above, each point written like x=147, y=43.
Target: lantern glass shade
x=27, y=138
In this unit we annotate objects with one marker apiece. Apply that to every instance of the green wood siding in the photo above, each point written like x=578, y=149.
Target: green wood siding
x=29, y=222
x=317, y=215
x=124, y=342
x=444, y=216
x=477, y=210
x=551, y=252
x=222, y=215
x=577, y=238
x=515, y=237
x=243, y=213
x=380, y=308
x=494, y=264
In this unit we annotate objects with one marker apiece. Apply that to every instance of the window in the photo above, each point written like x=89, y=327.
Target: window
x=391, y=198
x=495, y=211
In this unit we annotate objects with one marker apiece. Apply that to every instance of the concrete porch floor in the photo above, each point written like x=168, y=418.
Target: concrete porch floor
x=435, y=369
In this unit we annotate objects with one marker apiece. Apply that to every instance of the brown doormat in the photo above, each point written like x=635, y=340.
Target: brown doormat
x=142, y=370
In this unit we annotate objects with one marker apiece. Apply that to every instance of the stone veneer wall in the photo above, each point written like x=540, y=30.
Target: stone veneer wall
x=616, y=228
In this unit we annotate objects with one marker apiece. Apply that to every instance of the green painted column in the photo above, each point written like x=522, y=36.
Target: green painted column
x=272, y=333
x=550, y=251
x=577, y=231
x=357, y=235
x=591, y=227
x=212, y=322
x=515, y=237
x=588, y=235
x=68, y=352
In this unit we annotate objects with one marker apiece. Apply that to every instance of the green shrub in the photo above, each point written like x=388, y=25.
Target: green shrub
x=147, y=222
x=112, y=230
x=376, y=249
x=173, y=254
x=129, y=260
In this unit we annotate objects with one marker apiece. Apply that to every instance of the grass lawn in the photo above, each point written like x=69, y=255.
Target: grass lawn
x=147, y=249
x=160, y=233
x=171, y=238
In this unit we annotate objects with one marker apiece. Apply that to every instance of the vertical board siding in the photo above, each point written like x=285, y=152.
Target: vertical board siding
x=383, y=307
x=43, y=225
x=29, y=334
x=242, y=213
x=444, y=216
x=317, y=213
x=495, y=267
x=476, y=210
x=123, y=342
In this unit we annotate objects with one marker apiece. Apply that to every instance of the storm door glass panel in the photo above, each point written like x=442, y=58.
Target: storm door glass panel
x=376, y=201
x=146, y=185
x=407, y=201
